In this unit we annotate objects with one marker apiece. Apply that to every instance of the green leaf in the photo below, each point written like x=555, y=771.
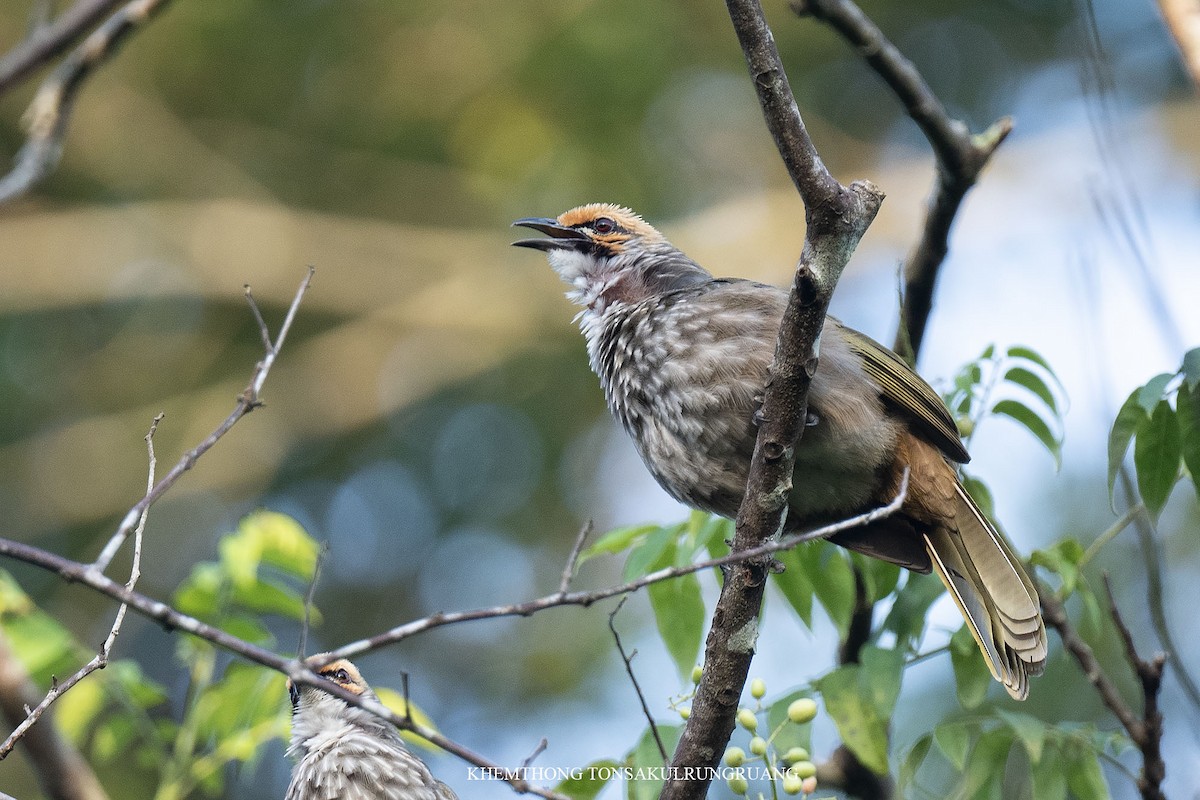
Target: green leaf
x=647, y=555
x=679, y=614
x=1048, y=781
x=1084, y=776
x=1033, y=423
x=1030, y=380
x=980, y=493
x=985, y=769
x=856, y=715
x=588, y=781
x=1063, y=559
x=1187, y=408
x=1029, y=354
x=954, y=739
x=1154, y=391
x=616, y=541
x=914, y=760
x=971, y=676
x=794, y=584
x=881, y=675
x=76, y=710
x=45, y=646
x=1191, y=368
x=1031, y=731
x=1130, y=419
x=1157, y=453
x=828, y=569
x=281, y=542
x=906, y=618
x=645, y=756
x=879, y=577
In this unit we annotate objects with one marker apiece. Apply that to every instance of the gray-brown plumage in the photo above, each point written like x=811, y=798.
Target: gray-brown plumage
x=346, y=753
x=683, y=359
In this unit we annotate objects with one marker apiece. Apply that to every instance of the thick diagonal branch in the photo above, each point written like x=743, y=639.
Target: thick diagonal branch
x=837, y=216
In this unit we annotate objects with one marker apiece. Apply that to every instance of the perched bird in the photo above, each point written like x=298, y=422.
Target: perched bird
x=683, y=359
x=346, y=753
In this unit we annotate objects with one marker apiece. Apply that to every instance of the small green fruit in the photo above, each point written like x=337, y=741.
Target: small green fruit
x=758, y=746
x=802, y=710
x=735, y=756
x=803, y=769
x=758, y=688
x=684, y=713
x=697, y=673
x=792, y=784
x=738, y=785
x=747, y=719
x=795, y=754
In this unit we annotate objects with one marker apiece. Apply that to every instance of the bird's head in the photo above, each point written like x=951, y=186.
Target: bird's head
x=607, y=253
x=341, y=672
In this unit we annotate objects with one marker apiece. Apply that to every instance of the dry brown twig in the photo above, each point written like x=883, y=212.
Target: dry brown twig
x=100, y=661
x=960, y=155
x=135, y=520
x=627, y=658
x=172, y=619
x=50, y=111
x=1145, y=732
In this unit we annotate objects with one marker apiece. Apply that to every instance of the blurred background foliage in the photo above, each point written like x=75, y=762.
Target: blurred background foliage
x=432, y=416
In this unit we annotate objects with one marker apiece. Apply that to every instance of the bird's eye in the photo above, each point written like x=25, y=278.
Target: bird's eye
x=604, y=225
x=340, y=676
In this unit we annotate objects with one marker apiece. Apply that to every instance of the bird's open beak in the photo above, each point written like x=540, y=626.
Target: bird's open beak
x=561, y=237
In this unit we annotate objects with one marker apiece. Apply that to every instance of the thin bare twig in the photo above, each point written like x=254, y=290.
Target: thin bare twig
x=1055, y=614
x=50, y=111
x=170, y=618
x=537, y=751
x=628, y=659
x=569, y=570
x=247, y=401
x=47, y=42
x=100, y=661
x=588, y=598
x=263, y=330
x=1148, y=737
x=960, y=155
x=61, y=770
x=308, y=600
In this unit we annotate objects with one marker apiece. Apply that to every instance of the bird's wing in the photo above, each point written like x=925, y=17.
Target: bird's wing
x=907, y=391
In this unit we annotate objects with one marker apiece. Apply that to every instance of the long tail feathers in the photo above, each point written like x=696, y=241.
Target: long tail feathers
x=993, y=593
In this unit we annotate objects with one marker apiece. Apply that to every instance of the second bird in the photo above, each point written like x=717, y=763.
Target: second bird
x=683, y=359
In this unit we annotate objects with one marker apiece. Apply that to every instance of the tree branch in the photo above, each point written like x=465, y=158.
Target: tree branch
x=50, y=111
x=1154, y=769
x=62, y=772
x=247, y=401
x=836, y=217
x=960, y=156
x=628, y=659
x=1055, y=615
x=47, y=42
x=100, y=661
x=171, y=619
